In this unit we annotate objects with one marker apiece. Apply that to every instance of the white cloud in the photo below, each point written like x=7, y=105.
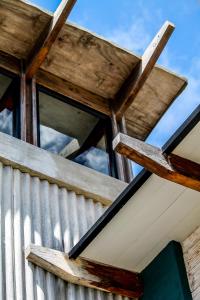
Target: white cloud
x=135, y=37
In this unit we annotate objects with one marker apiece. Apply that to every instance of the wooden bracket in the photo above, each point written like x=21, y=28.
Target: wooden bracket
x=86, y=273
x=171, y=167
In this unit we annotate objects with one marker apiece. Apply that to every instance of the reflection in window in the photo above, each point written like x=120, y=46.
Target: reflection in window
x=72, y=133
x=6, y=115
x=94, y=158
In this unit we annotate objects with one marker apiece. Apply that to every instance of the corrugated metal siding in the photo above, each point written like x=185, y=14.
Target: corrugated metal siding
x=34, y=211
x=191, y=251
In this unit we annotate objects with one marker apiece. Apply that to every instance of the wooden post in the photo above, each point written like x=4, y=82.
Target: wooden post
x=124, y=168
x=28, y=110
x=127, y=162
x=119, y=158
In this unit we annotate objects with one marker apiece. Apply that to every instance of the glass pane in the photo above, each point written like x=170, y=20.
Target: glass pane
x=64, y=130
x=6, y=115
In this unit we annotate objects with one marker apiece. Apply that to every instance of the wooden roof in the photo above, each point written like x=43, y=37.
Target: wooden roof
x=84, y=67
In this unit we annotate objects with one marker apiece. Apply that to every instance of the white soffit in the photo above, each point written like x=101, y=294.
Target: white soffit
x=160, y=211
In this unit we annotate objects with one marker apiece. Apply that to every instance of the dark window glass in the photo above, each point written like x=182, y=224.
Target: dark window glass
x=67, y=131
x=6, y=114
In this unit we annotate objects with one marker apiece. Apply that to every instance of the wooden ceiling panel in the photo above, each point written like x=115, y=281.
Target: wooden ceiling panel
x=89, y=61
x=161, y=88
x=85, y=67
x=20, y=25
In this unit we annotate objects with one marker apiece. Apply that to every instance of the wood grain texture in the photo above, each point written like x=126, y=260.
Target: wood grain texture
x=132, y=85
x=159, y=91
x=84, y=67
x=20, y=25
x=56, y=169
x=84, y=272
x=48, y=37
x=171, y=167
x=72, y=91
x=89, y=61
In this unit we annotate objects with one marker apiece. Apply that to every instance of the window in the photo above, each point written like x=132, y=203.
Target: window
x=6, y=105
x=73, y=133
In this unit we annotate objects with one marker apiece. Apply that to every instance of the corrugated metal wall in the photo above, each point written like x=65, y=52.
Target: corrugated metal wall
x=34, y=211
x=191, y=251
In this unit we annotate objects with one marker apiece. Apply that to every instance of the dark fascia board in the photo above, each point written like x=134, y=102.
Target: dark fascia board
x=133, y=187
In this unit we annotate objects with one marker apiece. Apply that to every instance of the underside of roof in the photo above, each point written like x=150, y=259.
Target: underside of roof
x=152, y=212
x=84, y=67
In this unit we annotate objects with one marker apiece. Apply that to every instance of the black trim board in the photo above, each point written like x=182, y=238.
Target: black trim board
x=133, y=187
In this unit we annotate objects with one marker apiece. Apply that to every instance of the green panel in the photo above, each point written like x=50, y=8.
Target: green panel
x=165, y=277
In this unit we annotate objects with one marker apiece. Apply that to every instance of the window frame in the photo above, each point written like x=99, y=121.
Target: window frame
x=26, y=120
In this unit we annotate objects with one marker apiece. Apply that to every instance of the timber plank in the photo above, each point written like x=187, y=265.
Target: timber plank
x=140, y=73
x=84, y=272
x=48, y=37
x=172, y=167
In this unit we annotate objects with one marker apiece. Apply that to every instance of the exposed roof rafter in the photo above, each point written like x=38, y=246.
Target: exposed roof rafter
x=48, y=37
x=86, y=273
x=140, y=73
x=171, y=167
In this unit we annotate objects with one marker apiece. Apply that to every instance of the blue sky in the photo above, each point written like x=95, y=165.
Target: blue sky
x=132, y=24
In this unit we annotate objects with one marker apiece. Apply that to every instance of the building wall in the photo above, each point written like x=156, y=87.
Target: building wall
x=191, y=250
x=35, y=211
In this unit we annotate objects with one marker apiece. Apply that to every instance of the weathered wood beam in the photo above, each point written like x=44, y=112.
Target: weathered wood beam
x=28, y=110
x=171, y=167
x=48, y=37
x=86, y=273
x=140, y=73
x=9, y=63
x=59, y=85
x=72, y=91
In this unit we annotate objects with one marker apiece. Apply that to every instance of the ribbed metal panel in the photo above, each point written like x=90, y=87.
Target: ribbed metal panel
x=34, y=211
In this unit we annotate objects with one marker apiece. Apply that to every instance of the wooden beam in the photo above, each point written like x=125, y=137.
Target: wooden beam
x=86, y=273
x=48, y=37
x=28, y=110
x=72, y=91
x=140, y=73
x=171, y=167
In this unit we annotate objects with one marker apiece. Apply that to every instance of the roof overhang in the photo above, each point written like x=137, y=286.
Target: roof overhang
x=84, y=66
x=149, y=213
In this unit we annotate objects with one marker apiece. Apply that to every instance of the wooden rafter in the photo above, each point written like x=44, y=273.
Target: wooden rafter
x=84, y=272
x=140, y=73
x=48, y=37
x=171, y=167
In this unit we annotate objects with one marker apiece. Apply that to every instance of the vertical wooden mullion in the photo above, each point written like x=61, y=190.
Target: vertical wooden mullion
x=24, y=109
x=28, y=110
x=126, y=161
x=112, y=159
x=118, y=157
x=35, y=125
